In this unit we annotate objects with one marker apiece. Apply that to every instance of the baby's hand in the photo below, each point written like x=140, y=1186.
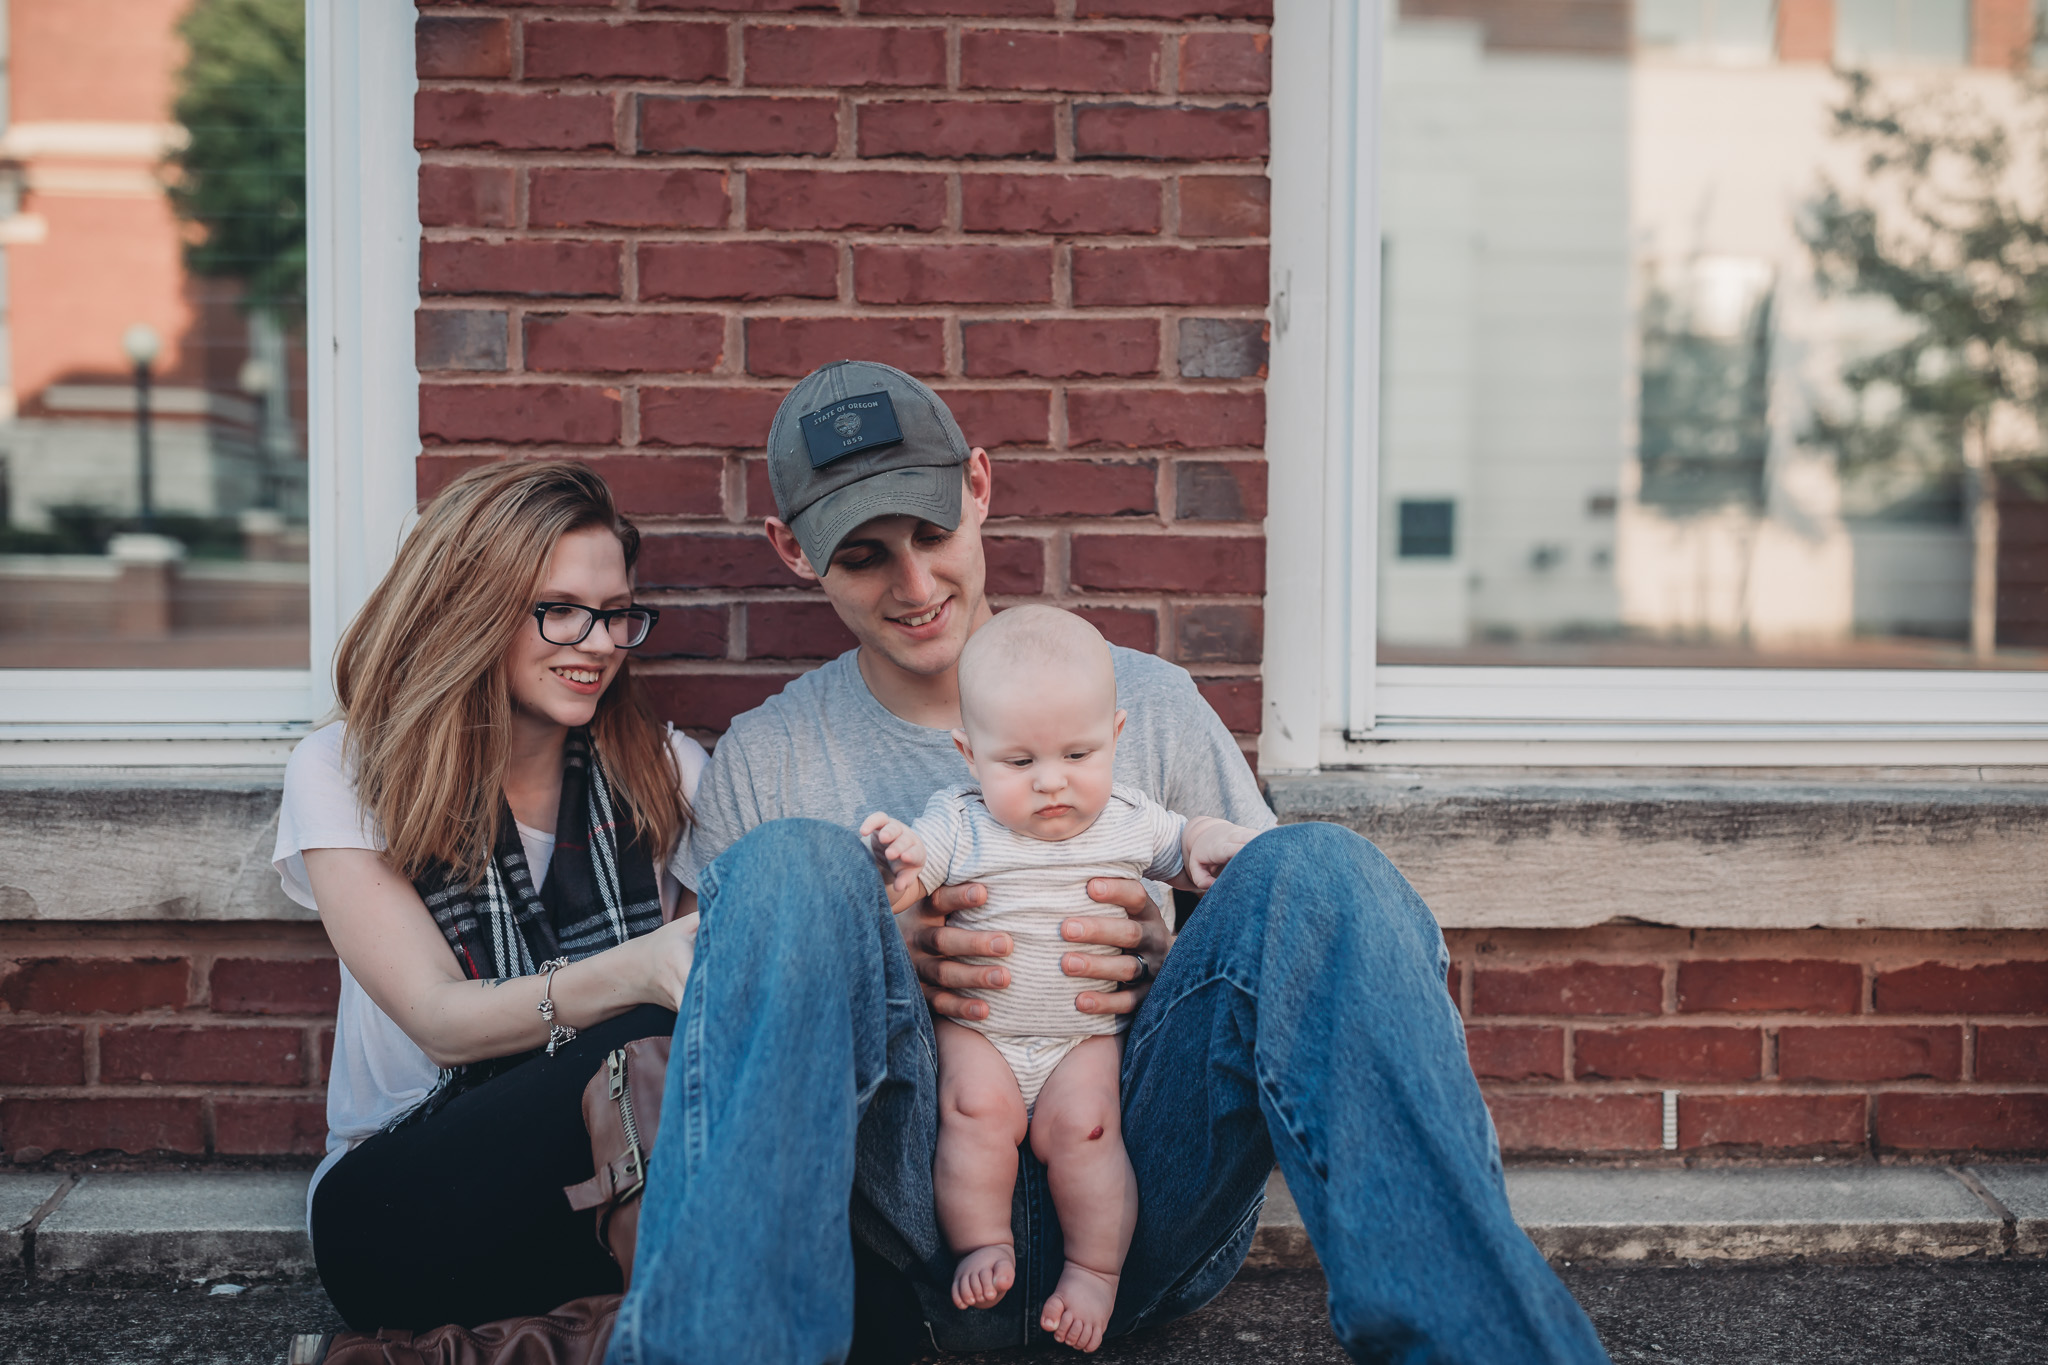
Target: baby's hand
x=1208, y=845
x=899, y=845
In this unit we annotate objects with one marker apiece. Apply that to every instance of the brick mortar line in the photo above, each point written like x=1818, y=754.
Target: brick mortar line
x=707, y=379
x=1200, y=671
x=658, y=88
x=596, y=158
x=1111, y=599
x=167, y=1090
x=1157, y=172
x=1776, y=1020
x=833, y=309
x=538, y=450
x=1252, y=27
x=669, y=379
x=84, y=1019
x=1853, y=946
x=831, y=18
x=1651, y=1085
x=964, y=23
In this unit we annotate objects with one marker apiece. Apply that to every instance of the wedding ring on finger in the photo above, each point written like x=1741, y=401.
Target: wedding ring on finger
x=1144, y=970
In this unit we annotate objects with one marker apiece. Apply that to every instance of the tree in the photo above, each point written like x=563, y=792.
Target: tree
x=241, y=176
x=1950, y=229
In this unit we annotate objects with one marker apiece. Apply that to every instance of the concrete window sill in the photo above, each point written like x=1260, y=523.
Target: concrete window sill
x=1488, y=850
x=1861, y=850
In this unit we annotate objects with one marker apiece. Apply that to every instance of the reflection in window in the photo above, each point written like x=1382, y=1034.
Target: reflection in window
x=1668, y=439
x=1706, y=352
x=1732, y=30
x=152, y=372
x=1426, y=526
x=1892, y=31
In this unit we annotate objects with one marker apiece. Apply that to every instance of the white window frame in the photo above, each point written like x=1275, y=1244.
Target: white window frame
x=363, y=403
x=1328, y=702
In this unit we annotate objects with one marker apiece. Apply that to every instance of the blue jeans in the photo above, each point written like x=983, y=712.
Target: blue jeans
x=1302, y=1016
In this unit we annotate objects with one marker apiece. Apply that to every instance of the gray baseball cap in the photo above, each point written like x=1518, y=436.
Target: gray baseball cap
x=857, y=440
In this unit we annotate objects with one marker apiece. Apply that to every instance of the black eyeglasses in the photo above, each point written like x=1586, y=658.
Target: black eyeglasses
x=567, y=623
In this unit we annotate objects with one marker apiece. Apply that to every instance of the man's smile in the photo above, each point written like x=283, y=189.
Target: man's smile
x=925, y=621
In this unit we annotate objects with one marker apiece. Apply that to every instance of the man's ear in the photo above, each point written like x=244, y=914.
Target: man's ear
x=788, y=550
x=980, y=483
x=964, y=745
x=1121, y=716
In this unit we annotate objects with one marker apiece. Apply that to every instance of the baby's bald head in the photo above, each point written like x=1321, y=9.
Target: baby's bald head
x=1033, y=651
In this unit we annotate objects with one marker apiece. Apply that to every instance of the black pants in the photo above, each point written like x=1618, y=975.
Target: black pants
x=461, y=1217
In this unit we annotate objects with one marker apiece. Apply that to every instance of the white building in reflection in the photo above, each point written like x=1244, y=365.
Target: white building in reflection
x=1603, y=341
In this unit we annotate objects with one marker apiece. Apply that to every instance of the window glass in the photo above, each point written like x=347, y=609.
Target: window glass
x=1668, y=345
x=1734, y=30
x=152, y=297
x=1868, y=31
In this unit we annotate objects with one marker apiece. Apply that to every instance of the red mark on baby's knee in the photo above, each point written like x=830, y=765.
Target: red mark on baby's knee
x=1096, y=1134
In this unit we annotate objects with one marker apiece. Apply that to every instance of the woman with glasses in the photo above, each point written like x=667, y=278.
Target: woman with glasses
x=484, y=832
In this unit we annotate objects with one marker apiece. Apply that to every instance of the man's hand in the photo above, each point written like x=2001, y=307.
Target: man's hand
x=933, y=948
x=1144, y=939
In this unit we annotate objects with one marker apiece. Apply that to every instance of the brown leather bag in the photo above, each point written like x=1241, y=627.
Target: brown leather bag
x=622, y=1110
x=574, y=1334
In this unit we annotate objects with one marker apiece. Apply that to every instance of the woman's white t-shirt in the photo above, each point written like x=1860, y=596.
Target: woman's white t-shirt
x=378, y=1072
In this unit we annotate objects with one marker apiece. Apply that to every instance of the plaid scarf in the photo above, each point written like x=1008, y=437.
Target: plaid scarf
x=598, y=892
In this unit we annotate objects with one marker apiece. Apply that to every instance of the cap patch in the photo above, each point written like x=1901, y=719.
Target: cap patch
x=861, y=422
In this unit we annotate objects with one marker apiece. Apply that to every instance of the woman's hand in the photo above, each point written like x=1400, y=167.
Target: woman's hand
x=665, y=956
x=934, y=945
x=1144, y=939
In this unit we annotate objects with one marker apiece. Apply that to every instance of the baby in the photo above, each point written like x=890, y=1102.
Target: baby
x=1042, y=816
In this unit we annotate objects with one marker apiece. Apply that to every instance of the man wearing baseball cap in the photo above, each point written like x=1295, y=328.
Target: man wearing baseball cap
x=1301, y=1015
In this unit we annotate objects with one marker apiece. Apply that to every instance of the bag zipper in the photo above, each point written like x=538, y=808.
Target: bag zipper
x=622, y=1095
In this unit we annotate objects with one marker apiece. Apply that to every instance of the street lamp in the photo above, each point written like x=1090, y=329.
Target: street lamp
x=142, y=345
x=257, y=381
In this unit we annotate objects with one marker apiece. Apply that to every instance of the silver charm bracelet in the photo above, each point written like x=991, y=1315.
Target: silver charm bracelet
x=558, y=1034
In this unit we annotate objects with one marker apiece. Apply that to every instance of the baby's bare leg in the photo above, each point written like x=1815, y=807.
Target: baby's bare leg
x=1076, y=1130
x=981, y=1123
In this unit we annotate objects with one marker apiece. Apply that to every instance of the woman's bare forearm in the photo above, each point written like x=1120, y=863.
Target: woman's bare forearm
x=472, y=1021
x=390, y=944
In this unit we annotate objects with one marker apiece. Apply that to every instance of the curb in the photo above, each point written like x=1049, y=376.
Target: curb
x=251, y=1225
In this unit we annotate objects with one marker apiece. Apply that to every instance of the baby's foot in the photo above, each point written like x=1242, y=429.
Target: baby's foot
x=983, y=1276
x=1079, y=1308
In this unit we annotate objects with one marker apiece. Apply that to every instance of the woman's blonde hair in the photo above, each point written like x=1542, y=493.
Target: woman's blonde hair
x=421, y=682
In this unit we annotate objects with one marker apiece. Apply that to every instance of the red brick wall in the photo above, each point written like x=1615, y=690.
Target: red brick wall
x=212, y=1039
x=197, y=1039
x=1829, y=1043
x=642, y=224
x=2001, y=33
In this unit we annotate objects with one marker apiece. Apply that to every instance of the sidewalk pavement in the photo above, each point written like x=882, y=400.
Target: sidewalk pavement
x=251, y=1225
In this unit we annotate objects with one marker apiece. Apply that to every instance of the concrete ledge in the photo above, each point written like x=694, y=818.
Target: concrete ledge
x=1512, y=849
x=194, y=1225
x=1521, y=850
x=21, y=1198
x=252, y=1225
x=141, y=844
x=1736, y=1215
x=2023, y=1192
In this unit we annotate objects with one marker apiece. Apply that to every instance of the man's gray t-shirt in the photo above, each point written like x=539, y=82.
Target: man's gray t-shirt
x=824, y=748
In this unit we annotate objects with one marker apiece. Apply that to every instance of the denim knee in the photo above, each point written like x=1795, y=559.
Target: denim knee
x=796, y=874
x=1328, y=879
